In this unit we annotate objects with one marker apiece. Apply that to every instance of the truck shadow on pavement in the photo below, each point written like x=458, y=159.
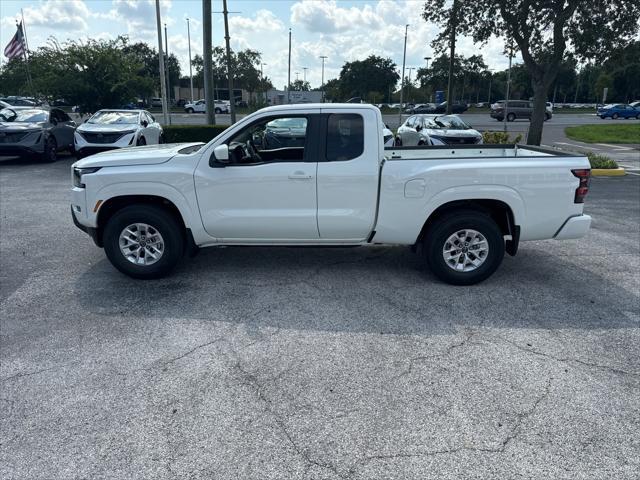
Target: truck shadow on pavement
x=372, y=290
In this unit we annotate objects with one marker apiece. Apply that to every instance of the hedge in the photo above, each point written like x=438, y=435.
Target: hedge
x=500, y=137
x=601, y=161
x=191, y=133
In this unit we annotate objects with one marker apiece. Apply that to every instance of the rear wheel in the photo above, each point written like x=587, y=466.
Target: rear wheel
x=638, y=116
x=614, y=116
x=143, y=241
x=50, y=153
x=464, y=247
x=141, y=141
x=217, y=110
x=603, y=116
x=511, y=117
x=189, y=110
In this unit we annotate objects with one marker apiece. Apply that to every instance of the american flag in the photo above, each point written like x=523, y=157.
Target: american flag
x=15, y=48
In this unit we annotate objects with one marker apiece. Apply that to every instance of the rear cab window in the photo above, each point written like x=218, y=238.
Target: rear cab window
x=345, y=136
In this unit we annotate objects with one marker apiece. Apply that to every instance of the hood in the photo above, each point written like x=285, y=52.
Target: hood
x=145, y=155
x=19, y=127
x=108, y=127
x=445, y=132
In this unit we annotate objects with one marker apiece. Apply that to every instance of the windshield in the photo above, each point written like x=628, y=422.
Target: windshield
x=451, y=122
x=117, y=118
x=24, y=116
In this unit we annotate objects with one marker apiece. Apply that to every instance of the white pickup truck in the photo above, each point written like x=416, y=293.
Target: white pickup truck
x=320, y=175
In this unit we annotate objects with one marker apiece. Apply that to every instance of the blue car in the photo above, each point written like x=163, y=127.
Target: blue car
x=618, y=110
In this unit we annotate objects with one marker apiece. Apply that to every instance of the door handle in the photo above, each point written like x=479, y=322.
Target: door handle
x=300, y=176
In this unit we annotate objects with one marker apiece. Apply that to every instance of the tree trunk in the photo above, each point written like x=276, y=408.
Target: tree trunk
x=540, y=88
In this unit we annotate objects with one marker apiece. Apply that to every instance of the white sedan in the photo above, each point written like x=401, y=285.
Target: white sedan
x=111, y=129
x=221, y=106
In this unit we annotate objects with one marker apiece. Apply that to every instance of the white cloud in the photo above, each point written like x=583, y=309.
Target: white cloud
x=66, y=15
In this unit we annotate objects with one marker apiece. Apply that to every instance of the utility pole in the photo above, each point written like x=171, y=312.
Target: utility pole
x=304, y=69
x=206, y=53
x=490, y=78
x=264, y=98
x=297, y=73
x=404, y=58
x=163, y=86
x=190, y=69
x=427, y=72
x=409, y=84
x=506, y=102
x=323, y=57
x=452, y=54
x=289, y=71
x=232, y=99
x=168, y=70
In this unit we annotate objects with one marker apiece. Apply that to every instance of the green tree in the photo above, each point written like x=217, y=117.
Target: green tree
x=373, y=74
x=300, y=86
x=541, y=30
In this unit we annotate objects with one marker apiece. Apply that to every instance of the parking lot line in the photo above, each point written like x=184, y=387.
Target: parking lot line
x=616, y=147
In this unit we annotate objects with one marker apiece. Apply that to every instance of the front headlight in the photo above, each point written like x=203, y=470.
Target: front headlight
x=79, y=172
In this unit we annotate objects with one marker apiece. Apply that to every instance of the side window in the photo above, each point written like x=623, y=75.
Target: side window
x=276, y=139
x=345, y=136
x=62, y=116
x=410, y=122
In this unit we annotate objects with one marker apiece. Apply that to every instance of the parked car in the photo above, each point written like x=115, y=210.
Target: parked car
x=19, y=101
x=436, y=129
x=516, y=109
x=3, y=104
x=200, y=107
x=35, y=132
x=146, y=207
x=156, y=102
x=112, y=129
x=635, y=104
x=426, y=108
x=618, y=110
x=387, y=137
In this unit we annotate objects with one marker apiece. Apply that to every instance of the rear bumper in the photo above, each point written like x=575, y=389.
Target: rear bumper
x=574, y=227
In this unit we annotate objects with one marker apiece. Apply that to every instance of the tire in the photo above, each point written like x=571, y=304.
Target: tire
x=161, y=139
x=160, y=221
x=547, y=117
x=398, y=141
x=603, y=117
x=438, y=238
x=189, y=110
x=50, y=153
x=217, y=110
x=511, y=117
x=638, y=116
x=614, y=116
x=141, y=141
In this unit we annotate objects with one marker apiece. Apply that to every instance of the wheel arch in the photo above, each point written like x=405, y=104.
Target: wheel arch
x=110, y=207
x=499, y=211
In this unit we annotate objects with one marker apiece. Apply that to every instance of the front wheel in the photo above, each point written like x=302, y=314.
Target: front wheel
x=511, y=117
x=143, y=241
x=141, y=141
x=464, y=247
x=614, y=116
x=603, y=117
x=50, y=153
x=217, y=110
x=190, y=110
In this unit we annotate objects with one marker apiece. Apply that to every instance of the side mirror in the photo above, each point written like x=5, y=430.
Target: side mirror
x=418, y=128
x=220, y=157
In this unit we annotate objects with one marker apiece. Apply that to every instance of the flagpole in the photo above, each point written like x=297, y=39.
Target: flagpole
x=26, y=57
x=24, y=30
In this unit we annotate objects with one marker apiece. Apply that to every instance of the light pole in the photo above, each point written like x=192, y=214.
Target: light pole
x=168, y=71
x=305, y=73
x=190, y=69
x=490, y=79
x=297, y=73
x=506, y=101
x=409, y=83
x=404, y=58
x=289, y=71
x=427, y=69
x=323, y=57
x=264, y=99
x=206, y=54
x=163, y=85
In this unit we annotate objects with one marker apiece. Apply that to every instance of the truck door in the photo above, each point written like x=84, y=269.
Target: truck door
x=348, y=170
x=268, y=190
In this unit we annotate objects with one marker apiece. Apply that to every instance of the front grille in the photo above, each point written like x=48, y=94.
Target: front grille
x=12, y=137
x=459, y=140
x=102, y=137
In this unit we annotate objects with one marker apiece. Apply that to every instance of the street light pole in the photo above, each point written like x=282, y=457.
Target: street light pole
x=289, y=71
x=506, y=101
x=190, y=69
x=232, y=99
x=163, y=86
x=207, y=57
x=264, y=98
x=305, y=73
x=323, y=57
x=168, y=70
x=404, y=58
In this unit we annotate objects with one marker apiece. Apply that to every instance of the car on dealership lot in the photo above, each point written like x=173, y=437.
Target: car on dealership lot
x=4, y=104
x=436, y=130
x=517, y=109
x=635, y=104
x=19, y=101
x=200, y=106
x=463, y=207
x=618, y=110
x=111, y=129
x=35, y=132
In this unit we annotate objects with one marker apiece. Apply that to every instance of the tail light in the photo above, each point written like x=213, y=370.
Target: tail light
x=583, y=186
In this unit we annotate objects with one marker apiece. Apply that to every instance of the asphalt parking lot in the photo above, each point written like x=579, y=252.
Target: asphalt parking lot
x=303, y=363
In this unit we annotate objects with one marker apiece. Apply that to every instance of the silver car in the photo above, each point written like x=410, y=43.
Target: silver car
x=436, y=130
x=35, y=132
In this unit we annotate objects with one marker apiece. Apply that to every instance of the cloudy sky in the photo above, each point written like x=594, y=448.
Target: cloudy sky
x=341, y=30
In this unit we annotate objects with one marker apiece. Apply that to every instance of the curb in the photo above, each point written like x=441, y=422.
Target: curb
x=608, y=172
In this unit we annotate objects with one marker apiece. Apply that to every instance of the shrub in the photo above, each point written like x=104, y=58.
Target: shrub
x=191, y=133
x=601, y=161
x=500, y=137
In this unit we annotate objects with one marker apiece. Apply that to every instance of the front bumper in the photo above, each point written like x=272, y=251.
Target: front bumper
x=574, y=227
x=92, y=232
x=86, y=151
x=20, y=150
